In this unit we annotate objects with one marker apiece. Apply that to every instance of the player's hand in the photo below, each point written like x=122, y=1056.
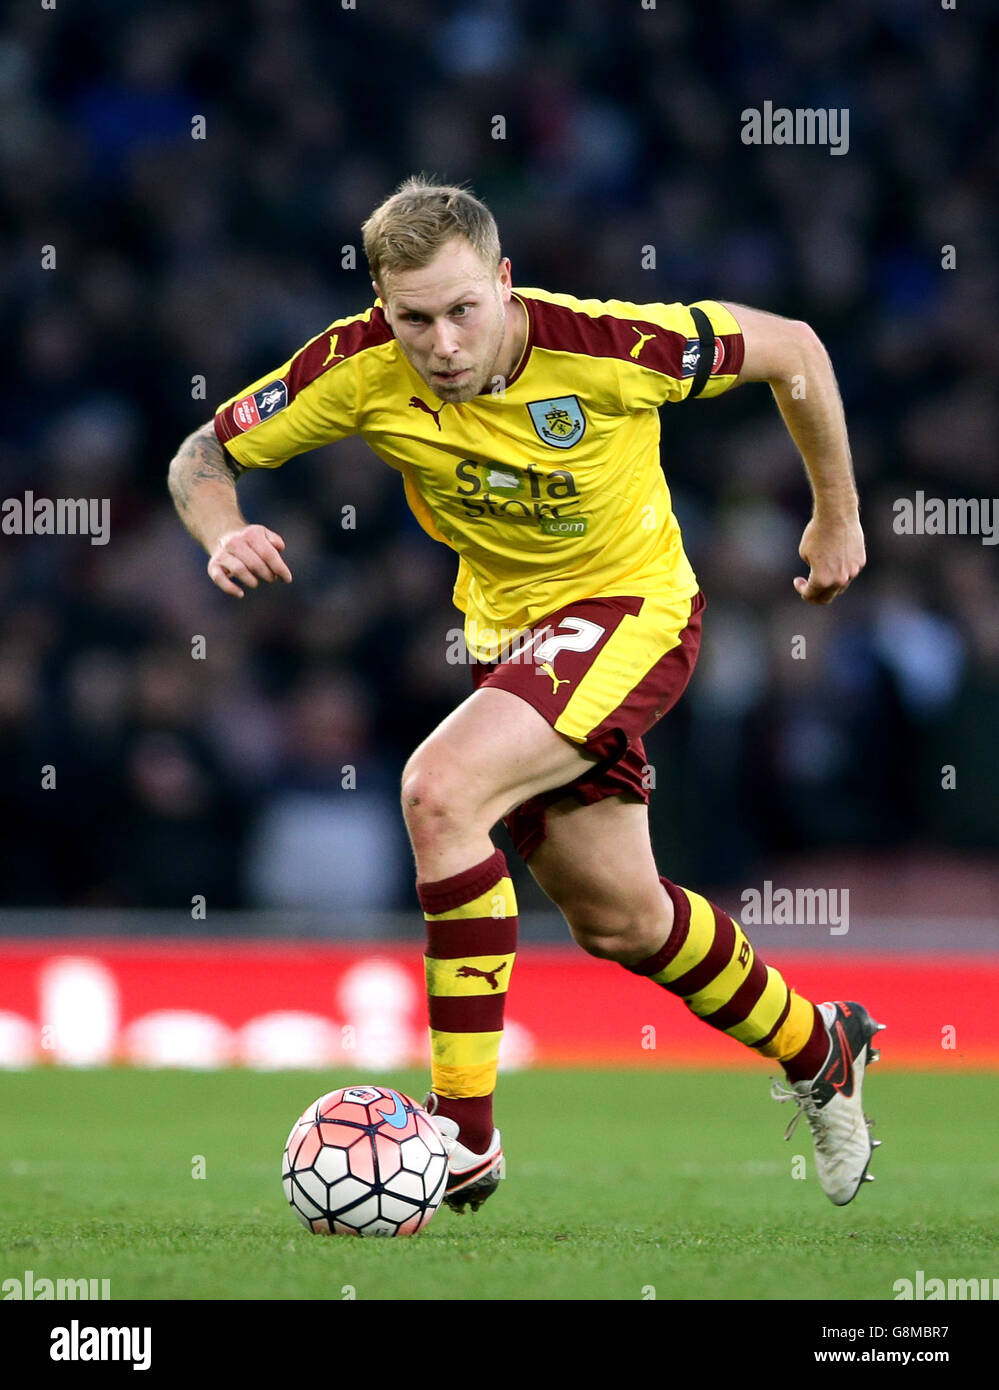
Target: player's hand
x=247, y=555
x=833, y=549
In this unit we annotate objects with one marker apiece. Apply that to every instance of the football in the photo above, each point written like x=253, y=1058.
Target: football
x=364, y=1161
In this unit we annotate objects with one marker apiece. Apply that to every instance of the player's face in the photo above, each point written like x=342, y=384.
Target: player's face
x=451, y=320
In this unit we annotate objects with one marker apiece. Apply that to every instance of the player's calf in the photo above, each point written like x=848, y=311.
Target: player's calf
x=626, y=931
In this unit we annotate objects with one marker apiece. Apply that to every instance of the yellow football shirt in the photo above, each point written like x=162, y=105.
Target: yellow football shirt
x=550, y=490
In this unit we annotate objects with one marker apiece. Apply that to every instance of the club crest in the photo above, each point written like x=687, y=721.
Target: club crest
x=559, y=422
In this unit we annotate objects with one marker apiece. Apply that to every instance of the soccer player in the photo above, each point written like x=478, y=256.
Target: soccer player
x=525, y=426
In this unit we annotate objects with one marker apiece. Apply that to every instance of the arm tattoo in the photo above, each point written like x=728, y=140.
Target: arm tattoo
x=200, y=459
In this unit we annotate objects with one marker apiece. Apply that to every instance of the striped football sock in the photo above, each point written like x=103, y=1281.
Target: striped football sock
x=471, y=943
x=708, y=962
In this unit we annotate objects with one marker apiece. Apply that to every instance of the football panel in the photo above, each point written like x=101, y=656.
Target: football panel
x=314, y=1188
x=407, y=1185
x=415, y=1155
x=289, y=1143
x=360, y=1214
x=345, y=1113
x=398, y=1208
x=303, y=1202
x=308, y=1147
x=361, y=1158
x=346, y=1192
x=388, y=1156
x=331, y=1163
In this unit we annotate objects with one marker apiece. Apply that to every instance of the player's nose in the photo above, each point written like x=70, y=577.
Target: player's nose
x=445, y=342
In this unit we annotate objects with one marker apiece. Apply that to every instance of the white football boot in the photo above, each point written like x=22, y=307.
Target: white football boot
x=471, y=1177
x=831, y=1102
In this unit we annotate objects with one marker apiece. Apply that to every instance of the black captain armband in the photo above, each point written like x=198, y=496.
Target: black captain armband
x=236, y=469
x=706, y=353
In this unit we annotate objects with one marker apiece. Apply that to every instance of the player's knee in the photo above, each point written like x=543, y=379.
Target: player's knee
x=434, y=802
x=424, y=795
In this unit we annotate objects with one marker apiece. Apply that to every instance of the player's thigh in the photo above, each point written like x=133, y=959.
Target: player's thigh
x=596, y=863
x=493, y=752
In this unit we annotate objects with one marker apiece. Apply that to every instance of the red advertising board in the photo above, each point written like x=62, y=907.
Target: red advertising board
x=270, y=1004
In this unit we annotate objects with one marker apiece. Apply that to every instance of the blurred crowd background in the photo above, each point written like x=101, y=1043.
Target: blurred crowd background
x=183, y=261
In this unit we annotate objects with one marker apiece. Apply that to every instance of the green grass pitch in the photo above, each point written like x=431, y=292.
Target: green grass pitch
x=673, y=1185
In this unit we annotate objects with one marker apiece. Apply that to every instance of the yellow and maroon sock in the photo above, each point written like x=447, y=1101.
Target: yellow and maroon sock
x=708, y=963
x=471, y=944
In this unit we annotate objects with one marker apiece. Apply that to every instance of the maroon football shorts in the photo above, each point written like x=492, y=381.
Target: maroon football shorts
x=601, y=671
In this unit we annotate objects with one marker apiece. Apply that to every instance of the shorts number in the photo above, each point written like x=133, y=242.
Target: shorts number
x=583, y=635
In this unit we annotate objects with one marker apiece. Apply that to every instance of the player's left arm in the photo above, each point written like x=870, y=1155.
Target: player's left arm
x=789, y=356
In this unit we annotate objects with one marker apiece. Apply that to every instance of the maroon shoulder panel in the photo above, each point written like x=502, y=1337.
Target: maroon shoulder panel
x=333, y=346
x=328, y=350
x=569, y=330
x=563, y=329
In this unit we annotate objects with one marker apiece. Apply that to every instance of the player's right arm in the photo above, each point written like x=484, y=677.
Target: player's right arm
x=202, y=481
x=311, y=400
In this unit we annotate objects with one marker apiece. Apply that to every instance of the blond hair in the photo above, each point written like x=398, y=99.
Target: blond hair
x=407, y=230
